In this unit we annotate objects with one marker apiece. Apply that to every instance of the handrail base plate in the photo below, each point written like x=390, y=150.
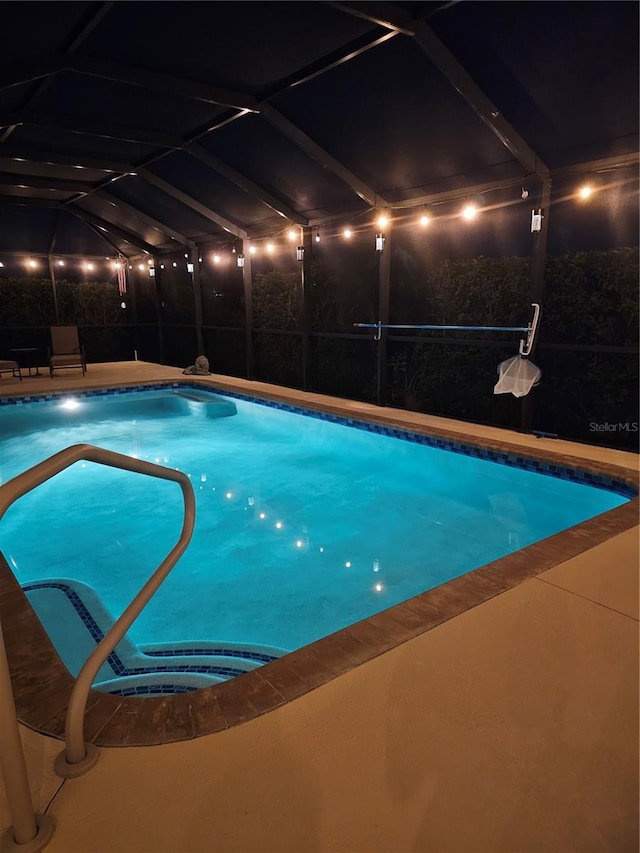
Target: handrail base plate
x=69, y=771
x=46, y=827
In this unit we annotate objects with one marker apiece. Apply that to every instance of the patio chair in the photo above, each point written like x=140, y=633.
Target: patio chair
x=66, y=349
x=7, y=365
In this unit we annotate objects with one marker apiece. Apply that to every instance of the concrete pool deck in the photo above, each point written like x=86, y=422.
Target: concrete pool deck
x=510, y=726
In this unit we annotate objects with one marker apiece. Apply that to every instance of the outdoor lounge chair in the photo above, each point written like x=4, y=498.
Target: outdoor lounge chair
x=66, y=349
x=13, y=366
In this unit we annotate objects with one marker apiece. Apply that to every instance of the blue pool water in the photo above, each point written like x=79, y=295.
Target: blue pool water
x=304, y=526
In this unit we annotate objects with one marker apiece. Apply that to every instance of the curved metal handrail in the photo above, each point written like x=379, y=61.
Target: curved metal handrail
x=79, y=756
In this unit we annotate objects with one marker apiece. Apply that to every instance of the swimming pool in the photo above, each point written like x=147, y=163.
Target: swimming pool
x=305, y=525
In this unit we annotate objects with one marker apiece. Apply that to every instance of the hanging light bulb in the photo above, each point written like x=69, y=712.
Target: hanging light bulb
x=347, y=233
x=424, y=220
x=316, y=234
x=292, y=234
x=216, y=258
x=383, y=220
x=470, y=212
x=585, y=192
x=252, y=250
x=270, y=247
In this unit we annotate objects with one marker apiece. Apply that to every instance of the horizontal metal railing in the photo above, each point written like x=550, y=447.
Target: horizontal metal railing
x=78, y=756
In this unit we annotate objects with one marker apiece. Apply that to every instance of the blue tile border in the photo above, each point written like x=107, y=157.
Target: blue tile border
x=120, y=669
x=501, y=457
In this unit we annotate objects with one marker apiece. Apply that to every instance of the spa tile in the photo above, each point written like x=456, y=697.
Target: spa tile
x=32, y=695
x=207, y=715
x=311, y=668
x=344, y=649
x=372, y=635
x=118, y=727
x=98, y=715
x=177, y=722
x=234, y=704
x=260, y=692
x=420, y=606
x=287, y=682
x=146, y=729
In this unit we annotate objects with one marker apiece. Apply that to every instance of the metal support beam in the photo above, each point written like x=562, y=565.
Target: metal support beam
x=157, y=296
x=52, y=272
x=9, y=179
x=110, y=228
x=6, y=133
x=384, y=294
x=246, y=184
x=29, y=201
x=326, y=63
x=537, y=289
x=187, y=200
x=247, y=285
x=383, y=14
x=305, y=307
x=88, y=27
x=104, y=236
x=462, y=81
x=290, y=130
x=166, y=83
x=166, y=230
x=93, y=128
x=28, y=70
x=394, y=18
x=34, y=155
x=197, y=297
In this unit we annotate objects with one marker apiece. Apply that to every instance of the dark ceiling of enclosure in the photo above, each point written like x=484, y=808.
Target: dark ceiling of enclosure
x=141, y=126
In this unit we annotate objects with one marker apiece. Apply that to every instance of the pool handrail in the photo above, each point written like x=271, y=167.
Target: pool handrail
x=78, y=756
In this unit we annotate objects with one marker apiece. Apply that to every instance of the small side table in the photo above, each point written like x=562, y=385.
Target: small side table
x=27, y=357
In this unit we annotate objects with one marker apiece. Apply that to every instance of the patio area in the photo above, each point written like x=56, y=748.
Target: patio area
x=512, y=726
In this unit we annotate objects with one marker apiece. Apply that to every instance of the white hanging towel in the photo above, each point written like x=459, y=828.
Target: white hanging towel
x=517, y=376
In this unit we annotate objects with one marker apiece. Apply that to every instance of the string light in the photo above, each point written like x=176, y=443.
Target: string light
x=470, y=212
x=424, y=220
x=292, y=234
x=585, y=192
x=216, y=258
x=316, y=234
x=60, y=263
x=252, y=250
x=347, y=233
x=270, y=247
x=383, y=220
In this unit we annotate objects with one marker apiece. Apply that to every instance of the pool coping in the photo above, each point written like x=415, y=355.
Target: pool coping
x=42, y=685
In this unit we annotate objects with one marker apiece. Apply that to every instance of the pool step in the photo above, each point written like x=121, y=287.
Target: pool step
x=76, y=621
